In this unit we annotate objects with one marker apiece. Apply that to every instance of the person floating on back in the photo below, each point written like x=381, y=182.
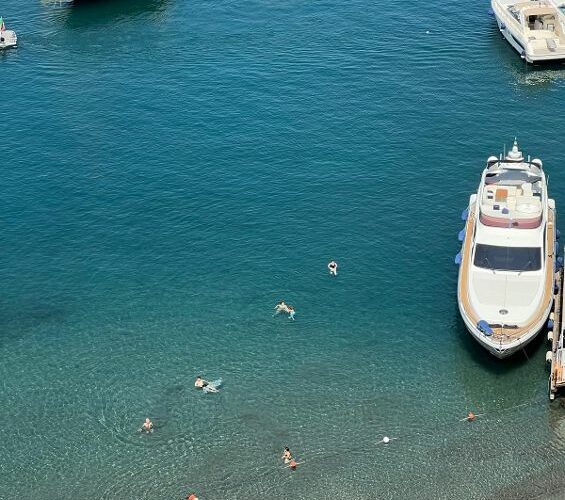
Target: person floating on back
x=191, y=496
x=332, y=266
x=147, y=426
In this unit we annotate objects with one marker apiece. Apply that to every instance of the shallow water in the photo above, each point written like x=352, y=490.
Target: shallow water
x=172, y=169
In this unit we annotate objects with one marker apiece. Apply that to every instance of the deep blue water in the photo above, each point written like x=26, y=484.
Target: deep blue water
x=172, y=169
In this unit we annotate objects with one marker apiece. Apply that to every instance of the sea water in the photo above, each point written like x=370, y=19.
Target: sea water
x=171, y=170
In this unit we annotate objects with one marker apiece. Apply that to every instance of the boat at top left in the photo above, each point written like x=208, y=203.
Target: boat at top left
x=8, y=38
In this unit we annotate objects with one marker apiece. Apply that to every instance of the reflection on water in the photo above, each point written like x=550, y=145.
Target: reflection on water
x=79, y=13
x=539, y=76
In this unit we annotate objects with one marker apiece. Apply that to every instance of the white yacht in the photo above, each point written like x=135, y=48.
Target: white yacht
x=507, y=263
x=535, y=28
x=8, y=38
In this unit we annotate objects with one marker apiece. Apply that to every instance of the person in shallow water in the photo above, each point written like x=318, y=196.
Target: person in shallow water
x=332, y=266
x=147, y=425
x=286, y=456
x=200, y=383
x=191, y=496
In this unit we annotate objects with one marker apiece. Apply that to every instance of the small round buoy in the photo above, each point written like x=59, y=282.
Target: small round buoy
x=548, y=356
x=386, y=440
x=427, y=32
x=550, y=336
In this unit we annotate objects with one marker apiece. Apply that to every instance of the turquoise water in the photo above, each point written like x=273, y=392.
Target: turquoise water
x=171, y=170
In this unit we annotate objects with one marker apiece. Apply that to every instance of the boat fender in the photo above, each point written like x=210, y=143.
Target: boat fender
x=550, y=324
x=485, y=328
x=461, y=235
x=560, y=261
x=550, y=336
x=491, y=12
x=458, y=258
x=548, y=356
x=465, y=214
x=557, y=234
x=551, y=315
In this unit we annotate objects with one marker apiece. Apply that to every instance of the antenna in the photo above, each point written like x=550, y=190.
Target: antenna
x=504, y=150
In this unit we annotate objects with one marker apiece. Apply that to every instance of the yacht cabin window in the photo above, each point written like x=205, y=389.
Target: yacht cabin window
x=521, y=259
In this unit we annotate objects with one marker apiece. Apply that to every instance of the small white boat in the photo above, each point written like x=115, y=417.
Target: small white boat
x=507, y=263
x=8, y=38
x=535, y=28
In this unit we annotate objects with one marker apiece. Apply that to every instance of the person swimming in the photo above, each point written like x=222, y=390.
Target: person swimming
x=281, y=307
x=191, y=496
x=147, y=426
x=291, y=313
x=332, y=266
x=287, y=455
x=200, y=383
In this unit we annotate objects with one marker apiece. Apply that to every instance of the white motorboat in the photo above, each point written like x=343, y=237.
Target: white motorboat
x=507, y=263
x=8, y=38
x=535, y=28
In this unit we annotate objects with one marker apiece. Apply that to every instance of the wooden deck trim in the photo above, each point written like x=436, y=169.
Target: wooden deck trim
x=502, y=335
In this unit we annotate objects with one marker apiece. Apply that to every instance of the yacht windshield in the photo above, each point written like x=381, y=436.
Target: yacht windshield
x=508, y=258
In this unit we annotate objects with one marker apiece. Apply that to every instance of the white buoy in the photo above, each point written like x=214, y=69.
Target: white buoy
x=386, y=440
x=427, y=32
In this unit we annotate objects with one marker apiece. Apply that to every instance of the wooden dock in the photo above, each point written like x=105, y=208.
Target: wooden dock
x=557, y=353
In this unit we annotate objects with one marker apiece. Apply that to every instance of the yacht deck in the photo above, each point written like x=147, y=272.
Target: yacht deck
x=506, y=333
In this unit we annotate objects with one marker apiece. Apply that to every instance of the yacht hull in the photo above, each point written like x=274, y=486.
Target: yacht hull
x=499, y=350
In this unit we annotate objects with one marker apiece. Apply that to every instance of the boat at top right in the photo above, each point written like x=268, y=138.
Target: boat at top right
x=535, y=28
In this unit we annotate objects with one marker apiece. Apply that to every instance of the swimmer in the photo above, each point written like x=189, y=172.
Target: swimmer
x=332, y=266
x=293, y=464
x=281, y=307
x=286, y=456
x=191, y=496
x=471, y=416
x=147, y=426
x=200, y=383
x=291, y=313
